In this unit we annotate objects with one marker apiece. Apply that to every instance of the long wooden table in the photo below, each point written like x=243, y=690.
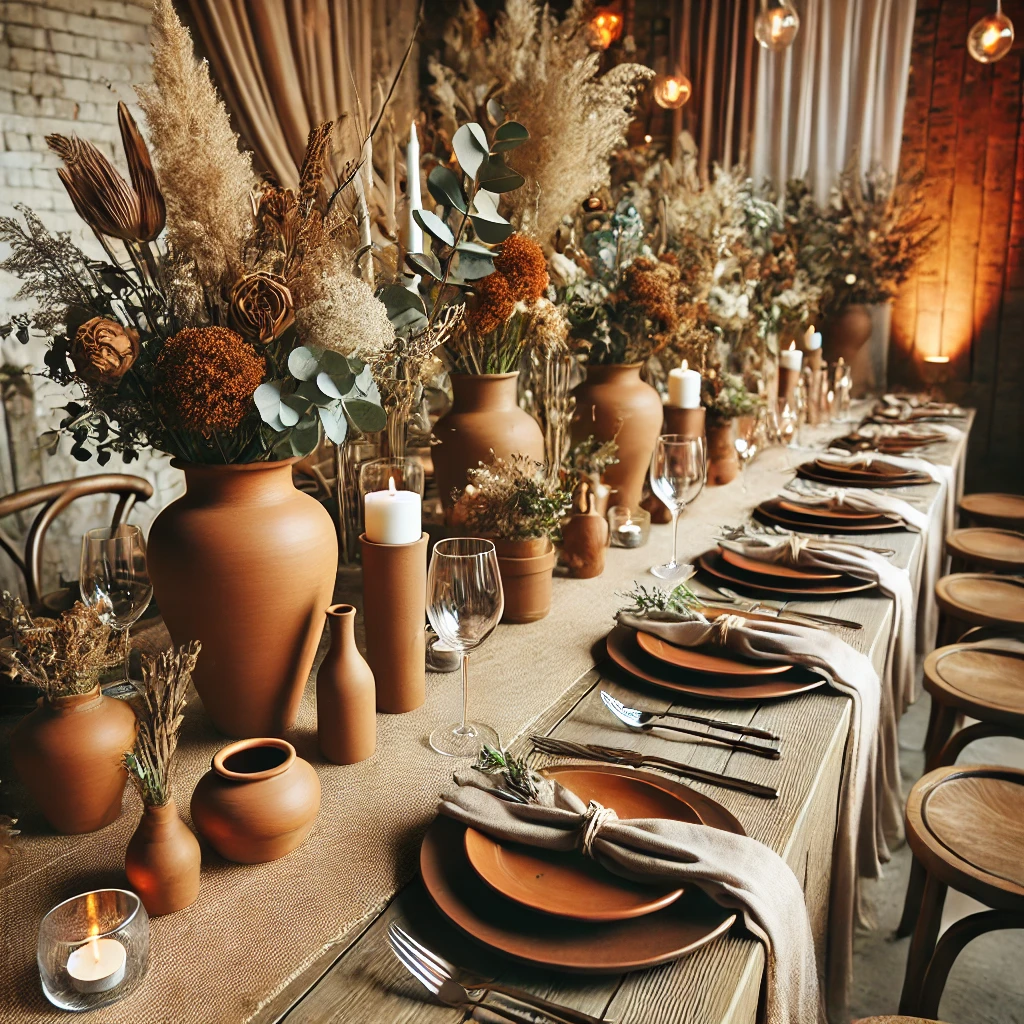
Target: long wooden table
x=545, y=678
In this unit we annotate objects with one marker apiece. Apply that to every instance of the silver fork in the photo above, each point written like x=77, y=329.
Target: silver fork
x=429, y=964
x=753, y=604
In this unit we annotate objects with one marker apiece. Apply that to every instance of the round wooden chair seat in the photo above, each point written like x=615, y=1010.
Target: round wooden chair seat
x=984, y=683
x=895, y=1020
x=980, y=599
x=1004, y=510
x=985, y=547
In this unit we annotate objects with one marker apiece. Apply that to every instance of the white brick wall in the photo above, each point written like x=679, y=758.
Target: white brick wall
x=64, y=64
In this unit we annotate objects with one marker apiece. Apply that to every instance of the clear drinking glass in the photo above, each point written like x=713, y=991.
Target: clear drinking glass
x=464, y=604
x=113, y=577
x=406, y=472
x=750, y=432
x=679, y=469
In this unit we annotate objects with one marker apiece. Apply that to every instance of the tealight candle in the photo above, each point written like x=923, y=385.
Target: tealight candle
x=629, y=535
x=684, y=387
x=97, y=966
x=791, y=358
x=393, y=516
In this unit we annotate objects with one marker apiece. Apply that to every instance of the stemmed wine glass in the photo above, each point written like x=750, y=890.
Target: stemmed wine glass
x=113, y=578
x=679, y=469
x=464, y=604
x=749, y=432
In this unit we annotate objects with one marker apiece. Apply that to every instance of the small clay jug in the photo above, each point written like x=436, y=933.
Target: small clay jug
x=584, y=536
x=68, y=751
x=346, y=697
x=723, y=462
x=527, y=580
x=162, y=861
x=257, y=802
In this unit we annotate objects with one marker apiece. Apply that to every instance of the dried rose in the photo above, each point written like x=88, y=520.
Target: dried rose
x=260, y=307
x=103, y=350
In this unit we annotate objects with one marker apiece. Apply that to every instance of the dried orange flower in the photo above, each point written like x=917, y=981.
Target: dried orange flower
x=494, y=303
x=522, y=261
x=260, y=306
x=103, y=351
x=206, y=378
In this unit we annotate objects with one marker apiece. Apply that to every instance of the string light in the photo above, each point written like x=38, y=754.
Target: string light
x=672, y=91
x=990, y=38
x=606, y=26
x=776, y=25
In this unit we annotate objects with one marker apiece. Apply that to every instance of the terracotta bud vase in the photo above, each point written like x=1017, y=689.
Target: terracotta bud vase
x=68, y=751
x=162, y=861
x=485, y=417
x=613, y=402
x=585, y=536
x=847, y=333
x=723, y=462
x=245, y=563
x=687, y=423
x=346, y=698
x=258, y=801
x=526, y=579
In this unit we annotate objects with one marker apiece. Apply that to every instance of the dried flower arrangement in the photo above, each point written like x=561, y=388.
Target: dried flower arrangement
x=162, y=696
x=590, y=457
x=725, y=395
x=229, y=288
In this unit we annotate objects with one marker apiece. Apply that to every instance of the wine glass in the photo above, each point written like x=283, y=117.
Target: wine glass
x=113, y=578
x=679, y=469
x=464, y=604
x=747, y=442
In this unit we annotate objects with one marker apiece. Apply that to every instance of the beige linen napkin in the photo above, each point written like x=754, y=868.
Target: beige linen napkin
x=737, y=872
x=857, y=848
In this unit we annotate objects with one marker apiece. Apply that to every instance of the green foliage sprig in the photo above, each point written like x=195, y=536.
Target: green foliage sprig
x=518, y=776
x=656, y=599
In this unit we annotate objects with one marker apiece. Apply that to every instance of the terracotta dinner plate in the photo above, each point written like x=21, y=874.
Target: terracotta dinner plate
x=810, y=472
x=624, y=650
x=699, y=661
x=684, y=926
x=713, y=563
x=824, y=513
x=861, y=467
x=771, y=512
x=568, y=884
x=784, y=572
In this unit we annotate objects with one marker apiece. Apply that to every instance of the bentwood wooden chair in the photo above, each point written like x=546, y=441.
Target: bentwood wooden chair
x=965, y=826
x=967, y=599
x=985, y=549
x=1004, y=511
x=895, y=1020
x=54, y=498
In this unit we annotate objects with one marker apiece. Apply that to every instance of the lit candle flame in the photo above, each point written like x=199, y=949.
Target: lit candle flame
x=685, y=366
x=792, y=346
x=391, y=485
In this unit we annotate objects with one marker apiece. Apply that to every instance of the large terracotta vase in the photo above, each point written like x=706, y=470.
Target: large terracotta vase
x=847, y=333
x=245, y=563
x=613, y=402
x=68, y=755
x=162, y=861
x=723, y=462
x=485, y=417
x=257, y=802
x=346, y=697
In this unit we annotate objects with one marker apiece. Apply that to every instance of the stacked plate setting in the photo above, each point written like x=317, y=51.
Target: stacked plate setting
x=865, y=472
x=836, y=517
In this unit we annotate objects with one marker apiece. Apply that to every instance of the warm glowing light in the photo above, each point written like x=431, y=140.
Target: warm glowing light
x=606, y=26
x=936, y=359
x=648, y=139
x=990, y=38
x=391, y=485
x=777, y=24
x=850, y=279
x=672, y=91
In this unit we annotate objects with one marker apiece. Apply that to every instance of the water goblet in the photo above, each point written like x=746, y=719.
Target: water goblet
x=679, y=469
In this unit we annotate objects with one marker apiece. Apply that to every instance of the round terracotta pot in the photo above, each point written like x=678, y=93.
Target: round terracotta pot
x=584, y=544
x=847, y=333
x=723, y=462
x=613, y=402
x=485, y=417
x=245, y=563
x=68, y=751
x=527, y=583
x=257, y=802
x=162, y=861
x=346, y=697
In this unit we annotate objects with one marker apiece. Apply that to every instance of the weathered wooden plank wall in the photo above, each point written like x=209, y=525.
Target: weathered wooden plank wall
x=963, y=129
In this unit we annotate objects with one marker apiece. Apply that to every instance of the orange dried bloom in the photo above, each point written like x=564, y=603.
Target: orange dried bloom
x=494, y=303
x=522, y=261
x=206, y=379
x=652, y=285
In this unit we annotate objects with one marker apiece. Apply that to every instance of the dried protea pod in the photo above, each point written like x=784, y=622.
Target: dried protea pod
x=140, y=170
x=260, y=307
x=103, y=350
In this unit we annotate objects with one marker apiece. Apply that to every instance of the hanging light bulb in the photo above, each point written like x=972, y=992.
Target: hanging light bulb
x=777, y=24
x=672, y=91
x=606, y=26
x=990, y=38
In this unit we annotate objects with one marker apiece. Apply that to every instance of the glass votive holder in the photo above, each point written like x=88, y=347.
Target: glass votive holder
x=93, y=949
x=376, y=475
x=629, y=527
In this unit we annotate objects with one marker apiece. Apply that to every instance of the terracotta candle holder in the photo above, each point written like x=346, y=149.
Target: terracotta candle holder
x=788, y=381
x=394, y=610
x=687, y=422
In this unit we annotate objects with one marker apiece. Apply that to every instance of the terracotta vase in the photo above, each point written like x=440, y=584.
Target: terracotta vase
x=258, y=801
x=162, y=861
x=68, y=751
x=245, y=563
x=584, y=536
x=847, y=333
x=526, y=580
x=613, y=402
x=346, y=698
x=723, y=462
x=485, y=417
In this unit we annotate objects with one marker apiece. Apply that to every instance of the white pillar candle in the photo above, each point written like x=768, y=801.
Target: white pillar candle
x=393, y=516
x=791, y=358
x=684, y=387
x=412, y=188
x=97, y=966
x=814, y=342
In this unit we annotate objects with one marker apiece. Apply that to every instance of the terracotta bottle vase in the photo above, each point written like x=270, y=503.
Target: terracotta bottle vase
x=346, y=698
x=723, y=462
x=613, y=402
x=258, y=801
x=846, y=333
x=67, y=752
x=584, y=536
x=162, y=861
x=246, y=564
x=526, y=568
x=485, y=417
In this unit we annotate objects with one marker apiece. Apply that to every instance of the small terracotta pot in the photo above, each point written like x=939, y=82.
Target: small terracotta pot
x=68, y=751
x=258, y=802
x=723, y=462
x=584, y=537
x=788, y=382
x=162, y=861
x=526, y=548
x=527, y=584
x=346, y=698
x=847, y=333
x=687, y=422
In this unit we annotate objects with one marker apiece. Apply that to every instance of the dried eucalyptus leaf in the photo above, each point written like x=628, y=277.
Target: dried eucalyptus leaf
x=425, y=263
x=334, y=421
x=292, y=409
x=446, y=189
x=398, y=300
x=310, y=391
x=434, y=226
x=508, y=136
x=268, y=399
x=369, y=418
x=335, y=385
x=496, y=176
x=495, y=111
x=304, y=438
x=302, y=363
x=473, y=265
x=490, y=231
x=470, y=145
